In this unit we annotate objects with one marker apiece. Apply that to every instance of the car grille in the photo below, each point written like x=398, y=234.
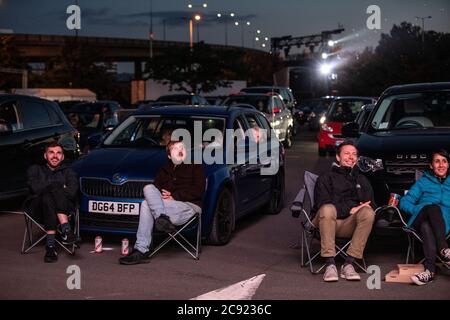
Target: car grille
x=109, y=221
x=104, y=188
x=405, y=166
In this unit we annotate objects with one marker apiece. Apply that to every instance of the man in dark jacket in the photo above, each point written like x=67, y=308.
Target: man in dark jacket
x=53, y=190
x=174, y=197
x=344, y=207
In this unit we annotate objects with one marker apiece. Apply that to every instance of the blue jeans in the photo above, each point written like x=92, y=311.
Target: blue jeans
x=152, y=207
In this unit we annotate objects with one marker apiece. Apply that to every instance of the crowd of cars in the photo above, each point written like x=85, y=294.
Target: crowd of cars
x=119, y=150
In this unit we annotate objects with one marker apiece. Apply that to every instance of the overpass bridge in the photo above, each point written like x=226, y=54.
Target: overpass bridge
x=40, y=48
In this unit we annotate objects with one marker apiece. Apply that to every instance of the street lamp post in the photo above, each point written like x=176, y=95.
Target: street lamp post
x=256, y=37
x=242, y=29
x=197, y=16
x=225, y=16
x=423, y=26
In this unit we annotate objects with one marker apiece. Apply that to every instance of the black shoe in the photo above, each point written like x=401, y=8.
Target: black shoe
x=68, y=238
x=163, y=223
x=135, y=257
x=50, y=254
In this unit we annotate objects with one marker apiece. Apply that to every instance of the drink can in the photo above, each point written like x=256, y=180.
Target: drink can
x=394, y=200
x=98, y=244
x=124, y=250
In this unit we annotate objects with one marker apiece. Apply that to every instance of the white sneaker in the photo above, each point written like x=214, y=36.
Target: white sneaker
x=423, y=278
x=331, y=274
x=348, y=272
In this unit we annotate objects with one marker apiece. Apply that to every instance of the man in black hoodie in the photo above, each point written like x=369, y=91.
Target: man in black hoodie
x=344, y=207
x=53, y=190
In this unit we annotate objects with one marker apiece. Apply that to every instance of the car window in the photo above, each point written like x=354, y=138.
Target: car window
x=9, y=114
x=260, y=102
x=413, y=111
x=345, y=110
x=149, y=131
x=34, y=114
x=56, y=119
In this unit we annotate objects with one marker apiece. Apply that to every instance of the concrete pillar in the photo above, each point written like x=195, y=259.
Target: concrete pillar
x=137, y=70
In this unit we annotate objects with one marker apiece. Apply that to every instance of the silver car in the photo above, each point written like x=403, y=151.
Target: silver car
x=274, y=109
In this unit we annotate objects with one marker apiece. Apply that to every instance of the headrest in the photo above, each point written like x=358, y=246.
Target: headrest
x=414, y=107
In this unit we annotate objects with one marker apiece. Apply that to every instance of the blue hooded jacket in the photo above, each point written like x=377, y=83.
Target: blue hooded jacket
x=428, y=190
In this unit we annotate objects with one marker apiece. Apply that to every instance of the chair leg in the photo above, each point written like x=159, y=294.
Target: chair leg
x=302, y=249
x=408, y=252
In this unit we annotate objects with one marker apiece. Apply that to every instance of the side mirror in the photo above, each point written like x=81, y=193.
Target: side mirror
x=350, y=130
x=5, y=128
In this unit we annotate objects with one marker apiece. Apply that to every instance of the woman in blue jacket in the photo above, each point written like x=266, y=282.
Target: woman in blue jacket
x=428, y=203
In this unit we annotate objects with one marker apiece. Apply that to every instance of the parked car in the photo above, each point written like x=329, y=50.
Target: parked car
x=408, y=123
x=113, y=175
x=186, y=99
x=342, y=110
x=274, y=109
x=27, y=124
x=93, y=118
x=318, y=112
x=65, y=105
x=284, y=92
x=215, y=100
x=286, y=95
x=364, y=114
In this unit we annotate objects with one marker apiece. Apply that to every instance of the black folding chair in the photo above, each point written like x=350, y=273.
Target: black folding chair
x=301, y=208
x=30, y=240
x=193, y=248
x=413, y=236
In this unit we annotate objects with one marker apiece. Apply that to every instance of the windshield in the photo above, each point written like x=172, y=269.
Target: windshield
x=183, y=99
x=413, y=111
x=80, y=120
x=261, y=103
x=147, y=131
x=345, y=110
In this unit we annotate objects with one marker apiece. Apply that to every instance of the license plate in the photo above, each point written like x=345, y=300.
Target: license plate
x=108, y=207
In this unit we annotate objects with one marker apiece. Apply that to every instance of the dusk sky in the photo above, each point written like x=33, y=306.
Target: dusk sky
x=130, y=19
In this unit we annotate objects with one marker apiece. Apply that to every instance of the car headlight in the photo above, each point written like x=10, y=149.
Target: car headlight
x=326, y=128
x=367, y=164
x=322, y=120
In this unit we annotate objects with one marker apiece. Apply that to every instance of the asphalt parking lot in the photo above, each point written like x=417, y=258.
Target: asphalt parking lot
x=262, y=245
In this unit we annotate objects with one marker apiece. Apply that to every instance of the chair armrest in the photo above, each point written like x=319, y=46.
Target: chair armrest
x=397, y=211
x=297, y=204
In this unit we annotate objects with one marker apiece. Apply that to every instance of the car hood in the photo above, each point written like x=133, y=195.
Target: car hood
x=390, y=143
x=130, y=164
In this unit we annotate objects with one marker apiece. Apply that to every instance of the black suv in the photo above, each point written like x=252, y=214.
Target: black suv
x=26, y=125
x=406, y=124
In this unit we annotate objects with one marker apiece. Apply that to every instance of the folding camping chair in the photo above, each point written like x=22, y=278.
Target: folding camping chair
x=301, y=207
x=29, y=239
x=193, y=248
x=412, y=234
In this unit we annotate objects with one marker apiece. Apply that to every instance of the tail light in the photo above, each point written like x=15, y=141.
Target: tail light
x=276, y=110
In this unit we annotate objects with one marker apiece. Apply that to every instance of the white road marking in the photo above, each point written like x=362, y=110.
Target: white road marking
x=243, y=290
x=13, y=212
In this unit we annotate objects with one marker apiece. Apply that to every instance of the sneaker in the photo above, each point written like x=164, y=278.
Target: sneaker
x=348, y=272
x=423, y=277
x=445, y=256
x=331, y=274
x=68, y=238
x=50, y=255
x=164, y=224
x=135, y=257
